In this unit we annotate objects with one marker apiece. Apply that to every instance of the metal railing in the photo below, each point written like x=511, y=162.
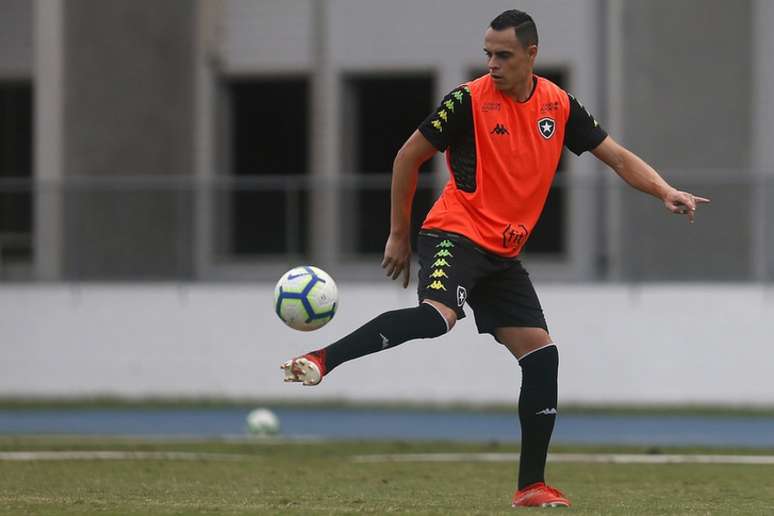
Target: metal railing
x=184, y=229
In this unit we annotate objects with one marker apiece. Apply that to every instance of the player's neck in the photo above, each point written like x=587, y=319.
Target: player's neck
x=522, y=91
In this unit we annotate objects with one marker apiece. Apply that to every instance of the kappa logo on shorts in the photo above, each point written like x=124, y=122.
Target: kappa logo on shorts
x=462, y=294
x=446, y=244
x=441, y=262
x=436, y=285
x=547, y=127
x=443, y=253
x=438, y=273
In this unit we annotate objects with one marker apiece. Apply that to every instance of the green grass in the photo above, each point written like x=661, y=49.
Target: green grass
x=320, y=478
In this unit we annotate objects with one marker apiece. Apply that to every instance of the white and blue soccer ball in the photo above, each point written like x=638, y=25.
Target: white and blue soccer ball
x=305, y=298
x=262, y=422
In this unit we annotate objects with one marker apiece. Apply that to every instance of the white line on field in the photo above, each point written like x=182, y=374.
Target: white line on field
x=598, y=458
x=26, y=456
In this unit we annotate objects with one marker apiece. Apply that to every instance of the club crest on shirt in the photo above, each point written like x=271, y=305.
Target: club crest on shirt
x=547, y=127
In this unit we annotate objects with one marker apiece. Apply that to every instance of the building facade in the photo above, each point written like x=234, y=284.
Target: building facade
x=226, y=139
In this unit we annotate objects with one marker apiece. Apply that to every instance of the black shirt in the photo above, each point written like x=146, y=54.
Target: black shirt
x=455, y=131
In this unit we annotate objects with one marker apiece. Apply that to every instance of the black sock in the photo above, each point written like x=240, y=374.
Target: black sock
x=537, y=412
x=385, y=331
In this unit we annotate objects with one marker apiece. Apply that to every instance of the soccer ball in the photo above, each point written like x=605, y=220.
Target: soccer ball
x=262, y=422
x=305, y=298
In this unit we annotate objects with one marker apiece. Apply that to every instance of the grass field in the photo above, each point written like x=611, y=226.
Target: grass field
x=322, y=478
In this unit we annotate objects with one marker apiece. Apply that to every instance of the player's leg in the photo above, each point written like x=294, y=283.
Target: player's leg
x=383, y=332
x=539, y=360
x=506, y=305
x=432, y=318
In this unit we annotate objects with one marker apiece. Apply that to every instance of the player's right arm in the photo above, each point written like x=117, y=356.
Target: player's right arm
x=405, y=172
x=452, y=118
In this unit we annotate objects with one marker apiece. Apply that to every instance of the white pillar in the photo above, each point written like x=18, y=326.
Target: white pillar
x=615, y=127
x=763, y=136
x=325, y=142
x=48, y=135
x=208, y=20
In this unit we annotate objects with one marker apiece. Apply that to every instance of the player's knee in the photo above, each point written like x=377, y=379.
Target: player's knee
x=449, y=315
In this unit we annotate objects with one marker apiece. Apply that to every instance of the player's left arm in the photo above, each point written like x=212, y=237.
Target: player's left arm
x=635, y=171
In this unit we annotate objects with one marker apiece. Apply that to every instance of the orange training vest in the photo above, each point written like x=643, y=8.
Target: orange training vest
x=518, y=145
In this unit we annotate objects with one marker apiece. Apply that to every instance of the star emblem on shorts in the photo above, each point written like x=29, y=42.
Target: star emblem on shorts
x=547, y=127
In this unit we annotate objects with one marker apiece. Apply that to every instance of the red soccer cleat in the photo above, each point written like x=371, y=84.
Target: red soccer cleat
x=539, y=495
x=309, y=369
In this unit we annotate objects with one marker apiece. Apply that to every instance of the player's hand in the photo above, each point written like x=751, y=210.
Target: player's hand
x=397, y=257
x=683, y=203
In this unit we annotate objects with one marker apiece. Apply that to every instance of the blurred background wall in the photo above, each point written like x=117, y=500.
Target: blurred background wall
x=224, y=141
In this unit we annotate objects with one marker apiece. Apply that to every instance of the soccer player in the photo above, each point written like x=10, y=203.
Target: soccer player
x=503, y=134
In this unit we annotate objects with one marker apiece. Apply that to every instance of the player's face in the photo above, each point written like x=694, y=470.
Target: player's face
x=509, y=63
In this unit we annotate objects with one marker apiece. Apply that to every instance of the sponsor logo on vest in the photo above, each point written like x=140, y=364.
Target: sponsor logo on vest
x=546, y=412
x=490, y=106
x=500, y=129
x=547, y=127
x=514, y=236
x=548, y=107
x=461, y=295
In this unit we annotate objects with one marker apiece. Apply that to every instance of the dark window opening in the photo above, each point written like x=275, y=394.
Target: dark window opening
x=385, y=111
x=549, y=237
x=269, y=137
x=15, y=167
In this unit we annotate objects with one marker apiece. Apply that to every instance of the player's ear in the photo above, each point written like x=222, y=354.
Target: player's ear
x=532, y=52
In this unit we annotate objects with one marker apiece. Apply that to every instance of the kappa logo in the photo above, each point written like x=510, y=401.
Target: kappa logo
x=462, y=294
x=500, y=129
x=443, y=253
x=438, y=273
x=436, y=285
x=441, y=262
x=547, y=127
x=546, y=412
x=446, y=244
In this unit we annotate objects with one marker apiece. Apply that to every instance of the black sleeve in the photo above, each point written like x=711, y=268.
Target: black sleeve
x=451, y=120
x=583, y=132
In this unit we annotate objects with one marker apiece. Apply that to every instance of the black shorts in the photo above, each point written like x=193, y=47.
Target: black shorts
x=453, y=270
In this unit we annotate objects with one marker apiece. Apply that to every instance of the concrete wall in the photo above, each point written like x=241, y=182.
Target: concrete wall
x=128, y=111
x=16, y=39
x=659, y=343
x=687, y=80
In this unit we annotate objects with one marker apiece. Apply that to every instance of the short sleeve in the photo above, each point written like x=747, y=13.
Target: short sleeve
x=452, y=119
x=582, y=132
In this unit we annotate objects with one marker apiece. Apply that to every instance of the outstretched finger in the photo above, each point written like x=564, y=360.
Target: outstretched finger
x=701, y=199
x=396, y=270
x=406, y=274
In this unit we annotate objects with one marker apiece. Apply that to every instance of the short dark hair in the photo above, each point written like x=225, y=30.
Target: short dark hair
x=522, y=23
